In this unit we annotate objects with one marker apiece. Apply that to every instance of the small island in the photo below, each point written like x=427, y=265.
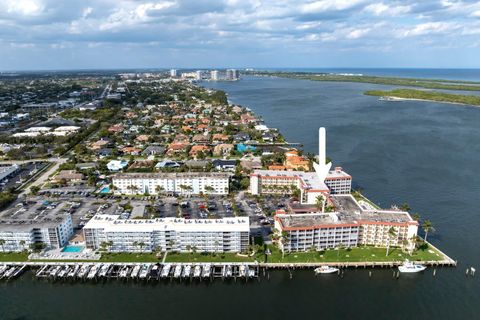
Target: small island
x=422, y=95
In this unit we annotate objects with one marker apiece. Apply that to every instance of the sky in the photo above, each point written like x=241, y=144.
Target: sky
x=108, y=34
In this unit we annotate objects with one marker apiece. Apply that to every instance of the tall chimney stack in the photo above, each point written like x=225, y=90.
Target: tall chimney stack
x=322, y=136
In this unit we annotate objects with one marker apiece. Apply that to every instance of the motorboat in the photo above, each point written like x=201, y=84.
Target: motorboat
x=186, y=271
x=197, y=271
x=166, y=270
x=178, y=271
x=410, y=267
x=144, y=270
x=325, y=270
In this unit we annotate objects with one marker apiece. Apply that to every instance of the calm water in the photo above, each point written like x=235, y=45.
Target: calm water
x=423, y=153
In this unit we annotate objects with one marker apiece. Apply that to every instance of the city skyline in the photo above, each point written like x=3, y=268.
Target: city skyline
x=49, y=34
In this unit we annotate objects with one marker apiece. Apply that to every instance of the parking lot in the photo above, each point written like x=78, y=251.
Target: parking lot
x=25, y=172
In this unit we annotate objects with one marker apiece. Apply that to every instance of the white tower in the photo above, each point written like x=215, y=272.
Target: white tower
x=322, y=168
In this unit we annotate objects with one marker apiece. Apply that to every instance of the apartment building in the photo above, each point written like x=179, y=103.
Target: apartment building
x=114, y=234
x=23, y=229
x=349, y=226
x=285, y=182
x=338, y=181
x=179, y=183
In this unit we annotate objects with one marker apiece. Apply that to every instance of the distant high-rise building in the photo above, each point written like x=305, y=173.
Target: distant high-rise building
x=232, y=74
x=198, y=75
x=173, y=73
x=214, y=75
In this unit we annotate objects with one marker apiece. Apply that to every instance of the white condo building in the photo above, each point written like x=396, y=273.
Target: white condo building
x=21, y=233
x=173, y=73
x=179, y=183
x=114, y=234
x=350, y=225
x=214, y=75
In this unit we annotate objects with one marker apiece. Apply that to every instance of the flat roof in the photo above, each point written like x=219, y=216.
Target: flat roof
x=310, y=179
x=113, y=223
x=171, y=175
x=37, y=215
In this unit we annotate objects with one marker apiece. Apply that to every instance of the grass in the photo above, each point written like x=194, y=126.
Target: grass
x=203, y=257
x=427, y=95
x=360, y=254
x=129, y=257
x=14, y=257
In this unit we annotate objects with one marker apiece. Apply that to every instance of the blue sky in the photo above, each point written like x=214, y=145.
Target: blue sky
x=79, y=34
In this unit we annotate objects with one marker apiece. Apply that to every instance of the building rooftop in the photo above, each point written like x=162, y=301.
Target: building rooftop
x=310, y=179
x=113, y=223
x=36, y=215
x=171, y=175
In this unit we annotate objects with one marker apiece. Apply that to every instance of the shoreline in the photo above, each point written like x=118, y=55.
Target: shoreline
x=399, y=99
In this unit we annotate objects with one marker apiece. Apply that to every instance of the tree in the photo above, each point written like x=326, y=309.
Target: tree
x=392, y=233
x=141, y=245
x=22, y=243
x=405, y=207
x=34, y=190
x=283, y=240
x=427, y=226
x=320, y=203
x=2, y=244
x=416, y=216
x=159, y=189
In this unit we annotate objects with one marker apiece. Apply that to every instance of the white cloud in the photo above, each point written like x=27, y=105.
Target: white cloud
x=381, y=9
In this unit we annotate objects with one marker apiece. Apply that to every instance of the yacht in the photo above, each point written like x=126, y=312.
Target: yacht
x=325, y=270
x=410, y=267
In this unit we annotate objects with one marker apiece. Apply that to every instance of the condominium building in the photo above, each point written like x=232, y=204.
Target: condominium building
x=338, y=181
x=22, y=228
x=178, y=182
x=232, y=74
x=350, y=225
x=173, y=73
x=114, y=234
x=285, y=182
x=214, y=75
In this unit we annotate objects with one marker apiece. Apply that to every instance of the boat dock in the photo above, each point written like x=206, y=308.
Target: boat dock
x=11, y=271
x=146, y=271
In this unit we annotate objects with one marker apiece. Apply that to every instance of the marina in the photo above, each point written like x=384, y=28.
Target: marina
x=139, y=271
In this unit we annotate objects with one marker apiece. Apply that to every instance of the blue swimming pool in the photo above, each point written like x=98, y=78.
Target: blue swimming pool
x=72, y=249
x=105, y=190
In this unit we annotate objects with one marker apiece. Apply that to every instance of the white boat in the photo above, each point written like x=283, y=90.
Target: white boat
x=228, y=271
x=103, y=270
x=74, y=271
x=9, y=272
x=144, y=270
x=410, y=267
x=3, y=268
x=83, y=271
x=63, y=273
x=93, y=272
x=54, y=271
x=186, y=271
x=166, y=270
x=135, y=271
x=178, y=271
x=242, y=271
x=325, y=270
x=197, y=271
x=206, y=271
x=124, y=272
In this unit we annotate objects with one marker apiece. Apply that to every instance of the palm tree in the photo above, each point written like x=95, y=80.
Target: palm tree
x=22, y=243
x=159, y=189
x=427, y=226
x=132, y=188
x=416, y=216
x=283, y=240
x=320, y=203
x=391, y=234
x=141, y=245
x=2, y=243
x=135, y=244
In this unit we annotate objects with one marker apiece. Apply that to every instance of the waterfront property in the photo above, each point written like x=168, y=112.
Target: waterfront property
x=110, y=232
x=309, y=183
x=178, y=183
x=350, y=225
x=40, y=225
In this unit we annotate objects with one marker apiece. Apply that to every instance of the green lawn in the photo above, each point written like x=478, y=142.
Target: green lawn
x=202, y=257
x=361, y=254
x=13, y=257
x=129, y=257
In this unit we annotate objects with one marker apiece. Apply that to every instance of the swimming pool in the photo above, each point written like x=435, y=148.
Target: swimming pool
x=105, y=190
x=72, y=249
